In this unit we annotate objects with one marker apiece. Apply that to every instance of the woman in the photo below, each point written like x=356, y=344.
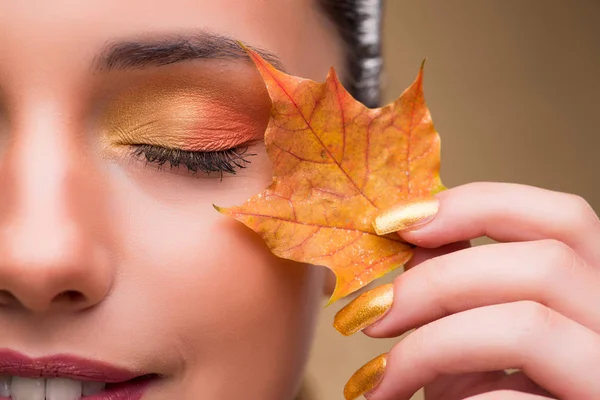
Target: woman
x=118, y=280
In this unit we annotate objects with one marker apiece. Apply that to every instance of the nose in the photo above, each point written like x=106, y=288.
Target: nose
x=49, y=265
x=53, y=252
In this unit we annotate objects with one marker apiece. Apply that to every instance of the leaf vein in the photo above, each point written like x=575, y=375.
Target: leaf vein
x=314, y=133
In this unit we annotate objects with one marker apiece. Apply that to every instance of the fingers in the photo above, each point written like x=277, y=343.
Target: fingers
x=507, y=395
x=422, y=254
x=517, y=305
x=545, y=345
x=519, y=382
x=507, y=212
x=547, y=272
x=453, y=387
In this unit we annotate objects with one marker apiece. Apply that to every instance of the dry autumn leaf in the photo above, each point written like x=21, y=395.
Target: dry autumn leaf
x=336, y=165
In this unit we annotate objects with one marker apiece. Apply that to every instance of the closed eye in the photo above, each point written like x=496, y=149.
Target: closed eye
x=222, y=161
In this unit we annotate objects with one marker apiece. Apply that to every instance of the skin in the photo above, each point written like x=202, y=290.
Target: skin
x=528, y=303
x=106, y=257
x=109, y=258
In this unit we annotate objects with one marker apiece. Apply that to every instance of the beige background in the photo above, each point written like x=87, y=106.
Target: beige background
x=513, y=87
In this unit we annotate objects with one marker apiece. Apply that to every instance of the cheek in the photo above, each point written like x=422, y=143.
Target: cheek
x=210, y=286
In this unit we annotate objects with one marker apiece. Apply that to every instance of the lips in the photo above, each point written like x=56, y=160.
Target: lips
x=65, y=377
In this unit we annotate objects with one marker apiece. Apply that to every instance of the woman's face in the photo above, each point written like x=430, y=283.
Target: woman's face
x=105, y=254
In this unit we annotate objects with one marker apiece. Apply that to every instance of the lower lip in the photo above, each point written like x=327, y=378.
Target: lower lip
x=123, y=391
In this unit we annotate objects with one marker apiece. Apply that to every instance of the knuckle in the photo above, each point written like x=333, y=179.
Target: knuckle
x=432, y=275
x=420, y=342
x=579, y=203
x=579, y=209
x=532, y=320
x=436, y=282
x=559, y=259
x=555, y=250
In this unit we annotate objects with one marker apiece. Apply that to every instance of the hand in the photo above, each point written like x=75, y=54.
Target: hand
x=530, y=303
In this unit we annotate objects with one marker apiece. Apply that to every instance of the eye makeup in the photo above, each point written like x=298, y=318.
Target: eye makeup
x=203, y=124
x=180, y=117
x=196, y=161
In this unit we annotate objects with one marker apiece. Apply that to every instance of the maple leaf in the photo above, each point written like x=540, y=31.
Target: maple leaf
x=336, y=165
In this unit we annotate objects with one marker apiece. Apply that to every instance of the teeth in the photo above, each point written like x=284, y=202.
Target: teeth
x=27, y=389
x=63, y=389
x=4, y=386
x=18, y=388
x=90, y=388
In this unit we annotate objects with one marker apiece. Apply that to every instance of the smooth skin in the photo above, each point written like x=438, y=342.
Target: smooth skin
x=104, y=257
x=529, y=303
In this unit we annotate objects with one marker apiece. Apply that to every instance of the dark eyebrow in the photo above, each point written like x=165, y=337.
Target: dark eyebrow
x=170, y=49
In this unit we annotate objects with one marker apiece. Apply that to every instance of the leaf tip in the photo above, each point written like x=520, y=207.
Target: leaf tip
x=251, y=53
x=338, y=293
x=331, y=301
x=219, y=209
x=333, y=76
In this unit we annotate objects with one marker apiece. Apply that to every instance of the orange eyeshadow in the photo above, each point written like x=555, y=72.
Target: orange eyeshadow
x=185, y=115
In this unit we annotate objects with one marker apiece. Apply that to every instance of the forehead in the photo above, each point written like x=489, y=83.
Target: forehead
x=66, y=34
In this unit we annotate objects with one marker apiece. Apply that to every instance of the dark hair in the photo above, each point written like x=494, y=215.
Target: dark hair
x=359, y=24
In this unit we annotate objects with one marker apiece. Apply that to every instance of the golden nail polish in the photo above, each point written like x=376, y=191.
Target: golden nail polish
x=406, y=215
x=366, y=378
x=364, y=310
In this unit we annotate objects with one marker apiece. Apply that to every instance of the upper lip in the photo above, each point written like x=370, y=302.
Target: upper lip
x=63, y=366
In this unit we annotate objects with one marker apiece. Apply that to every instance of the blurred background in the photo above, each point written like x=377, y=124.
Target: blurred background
x=513, y=87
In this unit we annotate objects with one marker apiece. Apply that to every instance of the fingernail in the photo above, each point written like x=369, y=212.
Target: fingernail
x=364, y=310
x=366, y=378
x=406, y=215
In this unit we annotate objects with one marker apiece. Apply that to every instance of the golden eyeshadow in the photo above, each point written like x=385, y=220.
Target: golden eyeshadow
x=186, y=115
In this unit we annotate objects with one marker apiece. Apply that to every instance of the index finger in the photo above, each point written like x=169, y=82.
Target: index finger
x=510, y=213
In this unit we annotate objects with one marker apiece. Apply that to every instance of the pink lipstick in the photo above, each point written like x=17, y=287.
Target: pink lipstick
x=66, y=377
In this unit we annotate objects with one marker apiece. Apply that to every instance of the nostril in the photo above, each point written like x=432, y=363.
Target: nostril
x=69, y=296
x=7, y=298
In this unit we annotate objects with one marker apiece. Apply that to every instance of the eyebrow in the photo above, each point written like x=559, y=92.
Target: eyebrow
x=171, y=49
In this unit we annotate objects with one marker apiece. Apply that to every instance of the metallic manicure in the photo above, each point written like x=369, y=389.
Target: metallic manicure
x=366, y=378
x=364, y=310
x=406, y=215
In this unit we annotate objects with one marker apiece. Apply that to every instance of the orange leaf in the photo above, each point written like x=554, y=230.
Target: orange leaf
x=336, y=165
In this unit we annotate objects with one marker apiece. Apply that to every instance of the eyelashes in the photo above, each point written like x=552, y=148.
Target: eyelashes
x=222, y=161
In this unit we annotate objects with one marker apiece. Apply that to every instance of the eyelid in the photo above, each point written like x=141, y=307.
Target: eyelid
x=221, y=138
x=184, y=115
x=185, y=132
x=194, y=149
